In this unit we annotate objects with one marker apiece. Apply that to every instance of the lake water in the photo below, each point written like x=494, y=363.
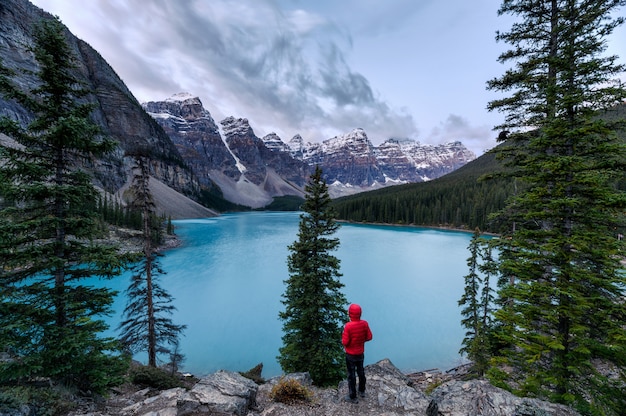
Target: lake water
x=228, y=280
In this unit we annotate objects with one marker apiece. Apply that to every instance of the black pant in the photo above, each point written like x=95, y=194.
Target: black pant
x=354, y=363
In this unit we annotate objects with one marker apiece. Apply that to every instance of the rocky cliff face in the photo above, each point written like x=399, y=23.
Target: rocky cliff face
x=352, y=164
x=257, y=159
x=117, y=112
x=251, y=170
x=394, y=161
x=196, y=136
x=348, y=160
x=233, y=157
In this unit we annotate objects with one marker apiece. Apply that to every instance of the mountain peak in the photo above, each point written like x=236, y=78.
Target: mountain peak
x=274, y=142
x=182, y=96
x=351, y=163
x=236, y=127
x=182, y=106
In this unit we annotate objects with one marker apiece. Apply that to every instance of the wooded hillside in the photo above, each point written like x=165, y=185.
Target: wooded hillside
x=461, y=199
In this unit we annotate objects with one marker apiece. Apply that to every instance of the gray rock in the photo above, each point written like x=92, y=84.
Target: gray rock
x=389, y=393
x=223, y=392
x=393, y=388
x=165, y=404
x=478, y=397
x=116, y=111
x=302, y=378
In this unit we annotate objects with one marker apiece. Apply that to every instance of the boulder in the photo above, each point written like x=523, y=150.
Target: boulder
x=479, y=397
x=165, y=404
x=393, y=388
x=221, y=393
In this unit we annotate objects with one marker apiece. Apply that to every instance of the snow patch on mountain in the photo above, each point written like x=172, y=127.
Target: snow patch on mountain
x=352, y=163
x=251, y=170
x=181, y=97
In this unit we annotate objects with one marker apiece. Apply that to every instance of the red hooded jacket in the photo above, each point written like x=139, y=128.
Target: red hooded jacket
x=356, y=332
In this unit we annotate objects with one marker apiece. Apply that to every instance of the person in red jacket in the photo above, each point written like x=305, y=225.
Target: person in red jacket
x=355, y=334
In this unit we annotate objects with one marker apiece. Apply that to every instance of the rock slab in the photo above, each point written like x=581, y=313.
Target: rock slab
x=389, y=393
x=480, y=398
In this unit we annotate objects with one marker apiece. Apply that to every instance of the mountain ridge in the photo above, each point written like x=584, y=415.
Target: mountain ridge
x=462, y=199
x=116, y=111
x=209, y=162
x=350, y=162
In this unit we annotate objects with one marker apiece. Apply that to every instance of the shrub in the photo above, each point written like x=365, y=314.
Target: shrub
x=153, y=377
x=254, y=374
x=43, y=400
x=432, y=386
x=290, y=391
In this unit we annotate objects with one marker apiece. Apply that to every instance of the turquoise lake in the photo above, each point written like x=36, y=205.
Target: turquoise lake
x=228, y=279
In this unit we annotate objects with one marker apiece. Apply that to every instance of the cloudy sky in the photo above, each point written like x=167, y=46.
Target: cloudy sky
x=396, y=68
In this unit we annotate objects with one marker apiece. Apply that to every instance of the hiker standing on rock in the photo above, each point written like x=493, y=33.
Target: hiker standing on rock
x=355, y=334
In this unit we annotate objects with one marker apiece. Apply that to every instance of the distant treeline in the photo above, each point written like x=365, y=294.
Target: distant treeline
x=113, y=212
x=462, y=199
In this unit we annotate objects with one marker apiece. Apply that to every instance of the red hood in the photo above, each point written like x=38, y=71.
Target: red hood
x=354, y=311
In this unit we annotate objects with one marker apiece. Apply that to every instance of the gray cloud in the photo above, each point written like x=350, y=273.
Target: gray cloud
x=310, y=67
x=340, y=83
x=286, y=71
x=457, y=128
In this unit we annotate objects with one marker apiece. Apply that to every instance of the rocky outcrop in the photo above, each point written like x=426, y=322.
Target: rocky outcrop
x=196, y=136
x=478, y=397
x=389, y=392
x=255, y=156
x=242, y=163
x=273, y=142
x=221, y=393
x=349, y=159
x=407, y=160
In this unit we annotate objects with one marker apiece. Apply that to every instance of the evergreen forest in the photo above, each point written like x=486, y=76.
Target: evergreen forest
x=463, y=199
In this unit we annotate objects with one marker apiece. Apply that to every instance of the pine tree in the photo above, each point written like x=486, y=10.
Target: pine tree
x=477, y=300
x=488, y=268
x=314, y=305
x=562, y=298
x=50, y=320
x=145, y=326
x=471, y=311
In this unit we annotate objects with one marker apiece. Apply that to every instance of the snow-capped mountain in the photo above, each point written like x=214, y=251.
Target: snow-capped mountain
x=351, y=163
x=195, y=134
x=232, y=156
x=199, y=158
x=252, y=170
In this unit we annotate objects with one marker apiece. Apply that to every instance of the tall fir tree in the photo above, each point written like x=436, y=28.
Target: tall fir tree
x=49, y=319
x=146, y=325
x=477, y=302
x=563, y=287
x=488, y=268
x=315, y=307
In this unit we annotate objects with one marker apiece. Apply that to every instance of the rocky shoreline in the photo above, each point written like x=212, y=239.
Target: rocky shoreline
x=131, y=241
x=389, y=392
